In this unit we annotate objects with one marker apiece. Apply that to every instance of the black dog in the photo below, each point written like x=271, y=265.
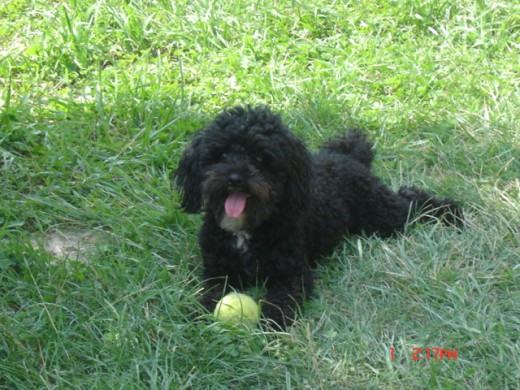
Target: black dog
x=272, y=209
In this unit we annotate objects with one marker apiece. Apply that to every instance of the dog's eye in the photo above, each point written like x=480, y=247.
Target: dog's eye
x=264, y=158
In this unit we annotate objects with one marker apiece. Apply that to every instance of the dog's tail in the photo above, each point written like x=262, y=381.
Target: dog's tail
x=355, y=144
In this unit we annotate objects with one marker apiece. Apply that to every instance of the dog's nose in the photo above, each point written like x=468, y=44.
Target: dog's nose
x=235, y=179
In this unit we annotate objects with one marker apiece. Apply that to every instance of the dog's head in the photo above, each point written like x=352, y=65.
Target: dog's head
x=245, y=167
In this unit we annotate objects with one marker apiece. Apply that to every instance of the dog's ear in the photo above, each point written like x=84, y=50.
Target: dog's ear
x=187, y=177
x=298, y=187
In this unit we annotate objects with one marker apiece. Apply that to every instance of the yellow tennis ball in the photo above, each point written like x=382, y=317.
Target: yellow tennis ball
x=237, y=308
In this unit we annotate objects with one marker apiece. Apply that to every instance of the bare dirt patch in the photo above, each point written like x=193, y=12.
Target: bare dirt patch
x=69, y=245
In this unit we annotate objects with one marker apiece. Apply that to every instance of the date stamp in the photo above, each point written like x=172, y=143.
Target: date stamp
x=429, y=354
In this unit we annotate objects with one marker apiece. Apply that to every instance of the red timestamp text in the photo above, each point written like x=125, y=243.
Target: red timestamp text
x=430, y=354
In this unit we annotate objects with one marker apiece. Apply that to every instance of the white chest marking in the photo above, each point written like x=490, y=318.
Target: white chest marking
x=242, y=241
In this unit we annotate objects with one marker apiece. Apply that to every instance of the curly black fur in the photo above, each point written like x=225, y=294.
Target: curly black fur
x=272, y=209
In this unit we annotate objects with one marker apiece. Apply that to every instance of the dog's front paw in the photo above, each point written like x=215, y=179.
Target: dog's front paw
x=276, y=317
x=209, y=300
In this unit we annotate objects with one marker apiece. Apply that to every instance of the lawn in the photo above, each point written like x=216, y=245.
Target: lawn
x=100, y=270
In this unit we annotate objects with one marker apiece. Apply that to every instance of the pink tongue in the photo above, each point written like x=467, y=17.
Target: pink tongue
x=235, y=204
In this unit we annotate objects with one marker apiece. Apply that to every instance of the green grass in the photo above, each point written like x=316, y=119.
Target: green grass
x=98, y=99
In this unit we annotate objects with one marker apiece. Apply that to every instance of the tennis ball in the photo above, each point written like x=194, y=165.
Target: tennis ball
x=237, y=308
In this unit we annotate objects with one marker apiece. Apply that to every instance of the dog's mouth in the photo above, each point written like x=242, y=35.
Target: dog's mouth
x=235, y=204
